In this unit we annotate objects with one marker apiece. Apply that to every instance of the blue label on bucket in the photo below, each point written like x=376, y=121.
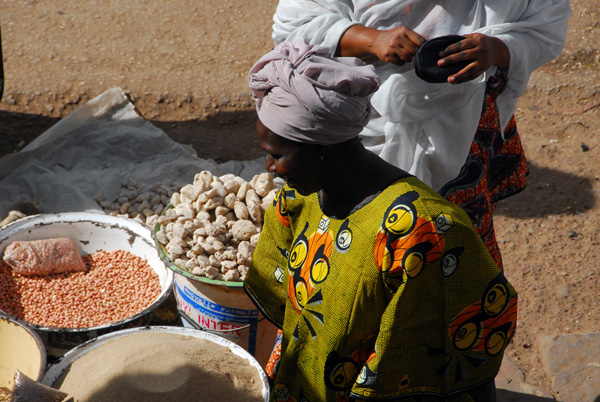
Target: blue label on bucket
x=226, y=321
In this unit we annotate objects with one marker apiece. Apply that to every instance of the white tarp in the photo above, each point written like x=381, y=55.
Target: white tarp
x=93, y=151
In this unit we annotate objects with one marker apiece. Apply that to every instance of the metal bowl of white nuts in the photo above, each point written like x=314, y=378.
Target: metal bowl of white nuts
x=210, y=228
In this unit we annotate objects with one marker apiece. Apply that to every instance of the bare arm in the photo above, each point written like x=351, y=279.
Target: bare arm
x=397, y=45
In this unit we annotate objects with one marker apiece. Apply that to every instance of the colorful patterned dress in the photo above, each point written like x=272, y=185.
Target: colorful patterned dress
x=399, y=299
x=495, y=169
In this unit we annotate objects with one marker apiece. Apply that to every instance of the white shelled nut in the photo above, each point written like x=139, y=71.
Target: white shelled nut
x=251, y=196
x=185, y=210
x=231, y=186
x=241, y=210
x=243, y=269
x=212, y=272
x=227, y=265
x=263, y=184
x=230, y=254
x=221, y=220
x=207, y=195
x=213, y=203
x=175, y=199
x=197, y=249
x=253, y=181
x=243, y=229
x=244, y=249
x=217, y=185
x=163, y=220
x=254, y=239
x=203, y=260
x=191, y=191
x=227, y=177
x=254, y=210
x=229, y=200
x=179, y=230
x=190, y=226
x=231, y=275
x=214, y=261
x=203, y=216
x=175, y=250
x=218, y=245
x=151, y=221
x=267, y=201
x=241, y=194
x=205, y=176
x=171, y=214
x=221, y=210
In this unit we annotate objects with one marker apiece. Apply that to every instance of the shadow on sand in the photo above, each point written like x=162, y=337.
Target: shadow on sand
x=549, y=192
x=232, y=135
x=226, y=136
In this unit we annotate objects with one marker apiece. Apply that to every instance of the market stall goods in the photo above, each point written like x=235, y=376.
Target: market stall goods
x=116, y=285
x=212, y=225
x=135, y=201
x=43, y=257
x=139, y=367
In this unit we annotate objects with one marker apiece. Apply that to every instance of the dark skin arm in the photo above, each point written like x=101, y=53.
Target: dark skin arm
x=399, y=46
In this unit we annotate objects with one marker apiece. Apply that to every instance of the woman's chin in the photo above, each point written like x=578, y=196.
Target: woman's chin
x=295, y=186
x=303, y=190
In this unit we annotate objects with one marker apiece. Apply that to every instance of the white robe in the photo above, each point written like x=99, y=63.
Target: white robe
x=427, y=129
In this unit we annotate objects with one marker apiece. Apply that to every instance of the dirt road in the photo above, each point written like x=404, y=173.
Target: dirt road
x=184, y=66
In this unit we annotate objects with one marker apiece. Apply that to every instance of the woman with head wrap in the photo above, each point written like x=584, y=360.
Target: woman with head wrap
x=381, y=289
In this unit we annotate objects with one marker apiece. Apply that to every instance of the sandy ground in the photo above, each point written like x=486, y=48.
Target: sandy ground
x=184, y=67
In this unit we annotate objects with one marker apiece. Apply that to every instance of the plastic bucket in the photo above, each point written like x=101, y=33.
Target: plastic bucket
x=225, y=310
x=21, y=349
x=55, y=371
x=91, y=232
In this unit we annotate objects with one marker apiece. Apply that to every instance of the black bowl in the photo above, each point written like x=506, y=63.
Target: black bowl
x=427, y=57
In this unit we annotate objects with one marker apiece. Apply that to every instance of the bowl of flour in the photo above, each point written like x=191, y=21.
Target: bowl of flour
x=159, y=364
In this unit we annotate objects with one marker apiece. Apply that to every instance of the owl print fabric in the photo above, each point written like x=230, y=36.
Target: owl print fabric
x=399, y=299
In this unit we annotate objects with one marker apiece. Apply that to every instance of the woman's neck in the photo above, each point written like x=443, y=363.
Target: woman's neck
x=355, y=176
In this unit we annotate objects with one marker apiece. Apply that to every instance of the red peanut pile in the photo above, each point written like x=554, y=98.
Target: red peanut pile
x=5, y=395
x=116, y=286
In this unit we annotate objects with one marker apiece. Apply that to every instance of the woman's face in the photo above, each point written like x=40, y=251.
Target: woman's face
x=299, y=164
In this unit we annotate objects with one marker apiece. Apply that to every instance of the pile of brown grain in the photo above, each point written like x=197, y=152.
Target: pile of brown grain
x=156, y=366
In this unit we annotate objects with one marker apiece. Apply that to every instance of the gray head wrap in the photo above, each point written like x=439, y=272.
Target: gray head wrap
x=305, y=95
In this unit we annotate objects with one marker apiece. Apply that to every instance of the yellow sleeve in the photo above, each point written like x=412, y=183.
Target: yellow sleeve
x=264, y=282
